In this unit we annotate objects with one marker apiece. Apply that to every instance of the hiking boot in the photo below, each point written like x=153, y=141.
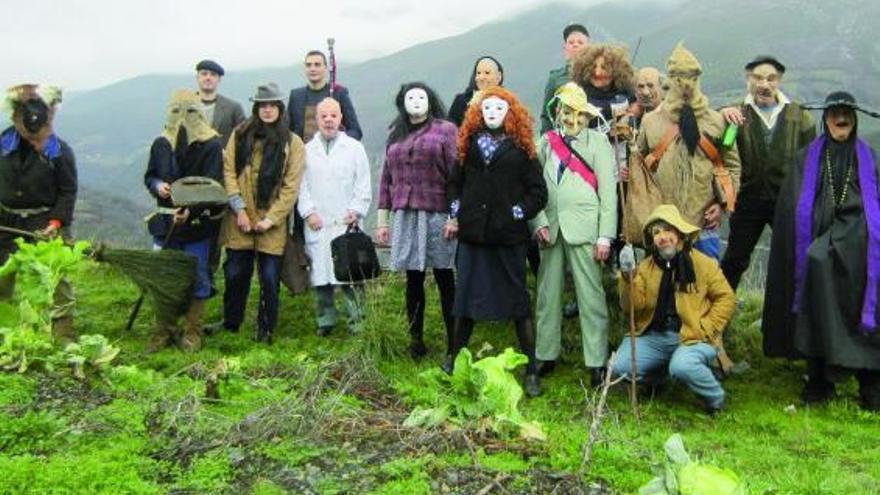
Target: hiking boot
x=163, y=336
x=417, y=349
x=532, y=385
x=324, y=331
x=263, y=336
x=191, y=341
x=63, y=331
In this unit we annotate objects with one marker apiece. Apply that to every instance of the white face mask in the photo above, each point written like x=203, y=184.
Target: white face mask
x=415, y=102
x=494, y=111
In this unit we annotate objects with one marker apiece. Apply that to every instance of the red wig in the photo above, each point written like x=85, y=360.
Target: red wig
x=517, y=123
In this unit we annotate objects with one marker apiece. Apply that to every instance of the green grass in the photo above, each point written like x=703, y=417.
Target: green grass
x=146, y=428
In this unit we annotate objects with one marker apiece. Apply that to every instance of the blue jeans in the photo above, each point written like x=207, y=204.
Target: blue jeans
x=199, y=249
x=238, y=270
x=686, y=363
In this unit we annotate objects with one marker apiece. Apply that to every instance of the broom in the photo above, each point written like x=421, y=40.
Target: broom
x=166, y=276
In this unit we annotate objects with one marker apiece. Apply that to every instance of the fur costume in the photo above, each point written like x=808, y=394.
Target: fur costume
x=14, y=103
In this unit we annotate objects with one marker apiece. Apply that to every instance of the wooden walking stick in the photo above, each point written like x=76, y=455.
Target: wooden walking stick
x=633, y=390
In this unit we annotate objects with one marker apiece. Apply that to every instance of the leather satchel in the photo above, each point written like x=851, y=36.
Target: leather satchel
x=354, y=256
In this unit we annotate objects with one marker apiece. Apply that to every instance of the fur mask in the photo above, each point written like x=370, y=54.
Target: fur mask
x=33, y=109
x=684, y=71
x=185, y=113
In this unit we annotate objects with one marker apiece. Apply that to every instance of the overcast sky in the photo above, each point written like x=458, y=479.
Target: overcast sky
x=83, y=44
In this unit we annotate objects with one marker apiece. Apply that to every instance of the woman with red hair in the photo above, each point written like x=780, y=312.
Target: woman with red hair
x=496, y=188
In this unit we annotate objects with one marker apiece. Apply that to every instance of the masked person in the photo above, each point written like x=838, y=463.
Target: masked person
x=772, y=129
x=679, y=144
x=262, y=167
x=38, y=186
x=188, y=147
x=575, y=38
x=419, y=157
x=487, y=73
x=823, y=276
x=494, y=192
x=335, y=194
x=576, y=227
x=682, y=305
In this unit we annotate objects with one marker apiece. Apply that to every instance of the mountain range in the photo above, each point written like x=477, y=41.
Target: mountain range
x=826, y=46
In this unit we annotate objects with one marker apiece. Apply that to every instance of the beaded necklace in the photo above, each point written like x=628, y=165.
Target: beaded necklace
x=828, y=172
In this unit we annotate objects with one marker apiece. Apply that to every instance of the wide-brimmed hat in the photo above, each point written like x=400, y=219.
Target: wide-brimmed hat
x=267, y=92
x=573, y=95
x=669, y=214
x=841, y=99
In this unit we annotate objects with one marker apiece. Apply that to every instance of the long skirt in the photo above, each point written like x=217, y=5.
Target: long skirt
x=491, y=282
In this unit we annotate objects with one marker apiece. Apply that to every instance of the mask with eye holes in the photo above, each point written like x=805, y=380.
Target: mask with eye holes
x=185, y=121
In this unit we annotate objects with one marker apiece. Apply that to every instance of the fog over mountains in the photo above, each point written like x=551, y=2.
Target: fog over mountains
x=826, y=46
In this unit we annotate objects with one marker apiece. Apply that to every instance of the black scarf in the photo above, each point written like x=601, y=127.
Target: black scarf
x=690, y=130
x=274, y=141
x=678, y=274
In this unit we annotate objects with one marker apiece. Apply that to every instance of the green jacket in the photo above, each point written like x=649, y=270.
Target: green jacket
x=557, y=78
x=573, y=208
x=764, y=166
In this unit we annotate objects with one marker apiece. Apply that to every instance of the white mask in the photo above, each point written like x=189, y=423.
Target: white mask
x=415, y=102
x=494, y=111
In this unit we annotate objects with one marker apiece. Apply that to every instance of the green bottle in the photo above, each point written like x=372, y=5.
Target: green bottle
x=729, y=136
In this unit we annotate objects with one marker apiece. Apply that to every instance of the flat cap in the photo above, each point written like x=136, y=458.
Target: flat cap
x=766, y=59
x=211, y=66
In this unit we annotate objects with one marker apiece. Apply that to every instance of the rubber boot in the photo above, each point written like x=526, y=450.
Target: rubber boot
x=525, y=332
x=63, y=331
x=164, y=333
x=192, y=326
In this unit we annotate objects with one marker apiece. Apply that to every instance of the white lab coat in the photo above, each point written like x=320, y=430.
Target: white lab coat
x=331, y=186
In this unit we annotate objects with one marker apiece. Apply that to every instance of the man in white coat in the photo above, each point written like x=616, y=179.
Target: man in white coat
x=335, y=193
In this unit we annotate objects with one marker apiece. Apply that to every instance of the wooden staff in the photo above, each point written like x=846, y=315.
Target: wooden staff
x=633, y=390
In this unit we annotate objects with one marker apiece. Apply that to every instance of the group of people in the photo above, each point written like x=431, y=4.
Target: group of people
x=624, y=158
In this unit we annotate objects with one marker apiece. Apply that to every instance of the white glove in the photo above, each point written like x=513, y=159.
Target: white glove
x=627, y=259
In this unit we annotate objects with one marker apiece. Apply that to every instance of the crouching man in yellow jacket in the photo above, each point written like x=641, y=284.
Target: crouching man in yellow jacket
x=682, y=304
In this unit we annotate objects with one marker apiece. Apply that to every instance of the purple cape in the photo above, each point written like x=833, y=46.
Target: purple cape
x=804, y=225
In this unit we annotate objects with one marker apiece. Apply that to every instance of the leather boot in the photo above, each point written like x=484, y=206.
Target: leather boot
x=164, y=333
x=63, y=331
x=192, y=326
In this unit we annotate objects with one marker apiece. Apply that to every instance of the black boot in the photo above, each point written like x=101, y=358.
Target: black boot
x=818, y=388
x=415, y=312
x=869, y=390
x=461, y=335
x=525, y=332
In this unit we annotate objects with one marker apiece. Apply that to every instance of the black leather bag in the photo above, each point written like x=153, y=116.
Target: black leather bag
x=354, y=256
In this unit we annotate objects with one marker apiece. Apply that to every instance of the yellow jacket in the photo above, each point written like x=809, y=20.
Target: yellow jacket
x=273, y=240
x=704, y=313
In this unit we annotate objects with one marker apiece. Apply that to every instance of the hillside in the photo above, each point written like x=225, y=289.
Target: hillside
x=826, y=46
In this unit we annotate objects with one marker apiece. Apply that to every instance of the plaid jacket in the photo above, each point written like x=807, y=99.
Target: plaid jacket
x=416, y=169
